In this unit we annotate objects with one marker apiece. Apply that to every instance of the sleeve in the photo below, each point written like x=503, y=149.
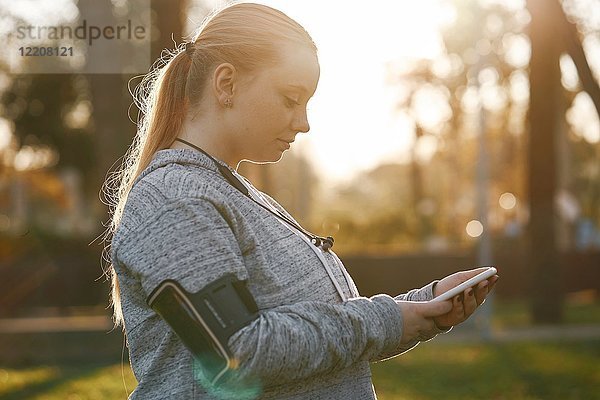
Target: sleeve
x=303, y=339
x=187, y=240
x=423, y=294
x=190, y=241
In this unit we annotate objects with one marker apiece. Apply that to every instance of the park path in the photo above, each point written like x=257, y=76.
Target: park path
x=458, y=334
x=55, y=324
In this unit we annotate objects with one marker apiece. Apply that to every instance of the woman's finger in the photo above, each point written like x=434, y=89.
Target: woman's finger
x=469, y=302
x=458, y=309
x=481, y=291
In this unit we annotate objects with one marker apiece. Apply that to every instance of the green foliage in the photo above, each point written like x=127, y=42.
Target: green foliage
x=39, y=106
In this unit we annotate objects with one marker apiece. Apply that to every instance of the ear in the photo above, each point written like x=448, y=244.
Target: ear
x=224, y=80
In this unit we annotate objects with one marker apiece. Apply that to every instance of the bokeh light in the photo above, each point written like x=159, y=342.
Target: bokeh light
x=474, y=228
x=508, y=201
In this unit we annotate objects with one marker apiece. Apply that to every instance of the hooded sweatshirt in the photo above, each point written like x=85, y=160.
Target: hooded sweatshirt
x=314, y=336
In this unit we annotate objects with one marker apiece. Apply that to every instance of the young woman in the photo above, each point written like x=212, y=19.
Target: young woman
x=221, y=292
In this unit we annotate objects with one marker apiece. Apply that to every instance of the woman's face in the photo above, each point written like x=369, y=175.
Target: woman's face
x=270, y=108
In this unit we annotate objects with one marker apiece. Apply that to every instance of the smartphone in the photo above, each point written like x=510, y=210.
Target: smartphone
x=488, y=273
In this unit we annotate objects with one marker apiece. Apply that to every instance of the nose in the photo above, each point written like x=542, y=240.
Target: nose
x=301, y=122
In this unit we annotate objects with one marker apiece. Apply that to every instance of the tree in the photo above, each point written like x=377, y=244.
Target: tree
x=547, y=109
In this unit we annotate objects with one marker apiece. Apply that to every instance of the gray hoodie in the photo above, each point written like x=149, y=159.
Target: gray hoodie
x=184, y=221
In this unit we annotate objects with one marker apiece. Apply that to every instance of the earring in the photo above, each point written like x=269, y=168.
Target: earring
x=228, y=103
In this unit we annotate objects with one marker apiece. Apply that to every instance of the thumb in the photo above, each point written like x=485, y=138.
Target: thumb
x=432, y=309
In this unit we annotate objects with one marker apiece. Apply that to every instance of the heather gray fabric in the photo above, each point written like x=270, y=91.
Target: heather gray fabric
x=184, y=221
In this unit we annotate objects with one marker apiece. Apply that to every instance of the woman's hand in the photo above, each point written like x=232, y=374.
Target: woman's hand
x=418, y=317
x=464, y=304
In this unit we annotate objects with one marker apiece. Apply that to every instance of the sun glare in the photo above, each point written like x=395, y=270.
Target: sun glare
x=354, y=125
x=354, y=122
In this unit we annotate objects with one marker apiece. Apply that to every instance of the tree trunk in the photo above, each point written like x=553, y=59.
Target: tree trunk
x=110, y=100
x=167, y=18
x=544, y=110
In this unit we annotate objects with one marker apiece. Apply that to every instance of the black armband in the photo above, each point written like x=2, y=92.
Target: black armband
x=205, y=320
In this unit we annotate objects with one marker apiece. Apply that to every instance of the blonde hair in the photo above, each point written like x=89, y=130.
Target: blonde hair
x=245, y=35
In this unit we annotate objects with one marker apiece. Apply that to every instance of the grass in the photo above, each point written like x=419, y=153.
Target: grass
x=67, y=382
x=559, y=370
x=519, y=371
x=515, y=313
x=515, y=371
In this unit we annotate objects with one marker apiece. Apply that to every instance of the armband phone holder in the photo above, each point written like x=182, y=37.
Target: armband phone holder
x=205, y=320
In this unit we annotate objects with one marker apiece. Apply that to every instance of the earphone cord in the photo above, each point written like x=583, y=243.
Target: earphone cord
x=325, y=243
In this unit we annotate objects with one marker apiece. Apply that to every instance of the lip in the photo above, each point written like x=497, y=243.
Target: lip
x=286, y=142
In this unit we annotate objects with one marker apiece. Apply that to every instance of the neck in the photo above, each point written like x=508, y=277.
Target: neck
x=209, y=140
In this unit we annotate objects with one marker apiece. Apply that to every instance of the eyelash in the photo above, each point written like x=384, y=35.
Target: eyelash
x=290, y=103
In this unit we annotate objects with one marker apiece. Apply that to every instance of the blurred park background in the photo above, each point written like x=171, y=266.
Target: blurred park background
x=444, y=134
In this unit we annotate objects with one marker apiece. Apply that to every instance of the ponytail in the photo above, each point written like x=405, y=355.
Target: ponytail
x=157, y=129
x=167, y=110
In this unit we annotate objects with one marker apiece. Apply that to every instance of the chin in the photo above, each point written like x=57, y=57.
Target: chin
x=266, y=159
